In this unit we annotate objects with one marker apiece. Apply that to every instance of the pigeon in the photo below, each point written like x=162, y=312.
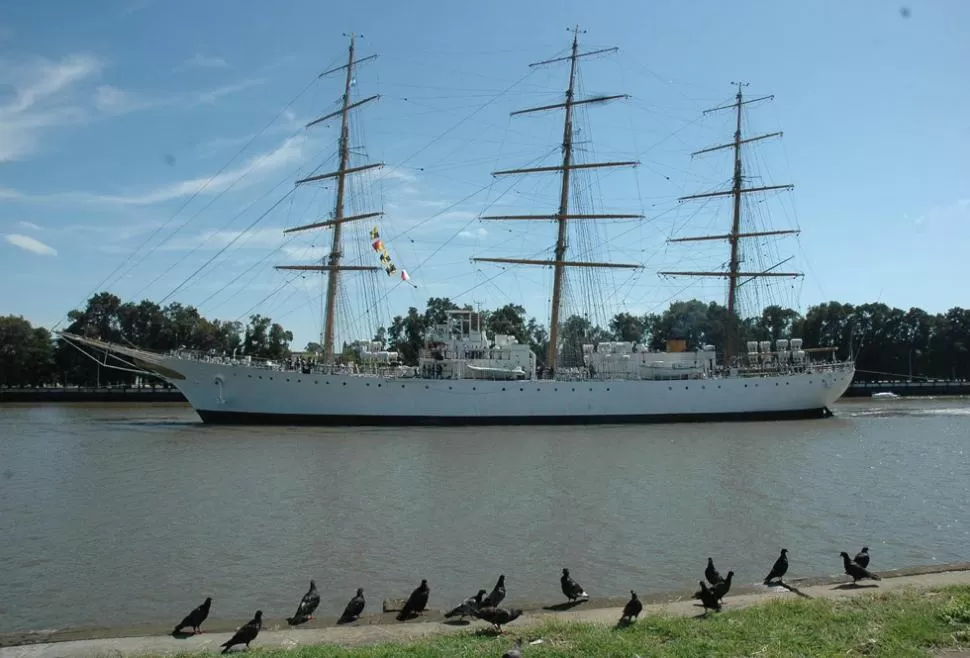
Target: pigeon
x=498, y=616
x=468, y=607
x=416, y=602
x=708, y=599
x=246, y=634
x=632, y=608
x=712, y=575
x=354, y=608
x=497, y=595
x=780, y=568
x=723, y=587
x=570, y=588
x=307, y=605
x=858, y=572
x=514, y=652
x=862, y=557
x=196, y=617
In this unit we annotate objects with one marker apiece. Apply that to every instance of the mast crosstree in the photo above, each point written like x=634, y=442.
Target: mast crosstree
x=562, y=216
x=734, y=273
x=332, y=262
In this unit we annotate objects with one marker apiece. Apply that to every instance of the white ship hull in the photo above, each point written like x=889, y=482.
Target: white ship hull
x=240, y=394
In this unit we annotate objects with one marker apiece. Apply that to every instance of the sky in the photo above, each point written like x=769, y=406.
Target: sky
x=150, y=149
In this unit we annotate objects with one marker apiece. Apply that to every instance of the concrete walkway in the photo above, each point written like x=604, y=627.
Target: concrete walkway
x=375, y=633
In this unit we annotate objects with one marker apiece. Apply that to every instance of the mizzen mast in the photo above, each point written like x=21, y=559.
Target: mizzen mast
x=734, y=273
x=332, y=263
x=562, y=216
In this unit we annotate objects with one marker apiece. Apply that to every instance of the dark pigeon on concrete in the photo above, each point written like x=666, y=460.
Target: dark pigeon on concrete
x=246, y=634
x=719, y=589
x=570, y=588
x=354, y=608
x=468, y=607
x=195, y=618
x=857, y=571
x=417, y=602
x=308, y=604
x=722, y=588
x=862, y=557
x=633, y=608
x=497, y=595
x=708, y=599
x=514, y=652
x=780, y=568
x=498, y=616
x=712, y=575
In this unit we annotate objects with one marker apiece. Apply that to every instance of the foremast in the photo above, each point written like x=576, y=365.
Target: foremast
x=734, y=273
x=332, y=263
x=559, y=263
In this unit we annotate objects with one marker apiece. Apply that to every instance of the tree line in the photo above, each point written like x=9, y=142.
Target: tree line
x=32, y=356
x=887, y=342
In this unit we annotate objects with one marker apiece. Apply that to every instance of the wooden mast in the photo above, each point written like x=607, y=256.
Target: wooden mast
x=559, y=263
x=734, y=273
x=332, y=265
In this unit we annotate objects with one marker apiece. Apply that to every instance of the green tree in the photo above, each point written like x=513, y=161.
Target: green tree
x=26, y=353
x=629, y=328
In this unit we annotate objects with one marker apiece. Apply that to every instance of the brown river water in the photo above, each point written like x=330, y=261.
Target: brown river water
x=115, y=515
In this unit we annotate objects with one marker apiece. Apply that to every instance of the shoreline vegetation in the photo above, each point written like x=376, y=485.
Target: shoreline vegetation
x=888, y=343
x=910, y=612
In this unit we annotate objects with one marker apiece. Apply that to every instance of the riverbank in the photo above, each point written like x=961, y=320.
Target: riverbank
x=910, y=608
x=91, y=394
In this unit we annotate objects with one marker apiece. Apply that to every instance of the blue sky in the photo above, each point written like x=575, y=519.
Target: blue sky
x=139, y=139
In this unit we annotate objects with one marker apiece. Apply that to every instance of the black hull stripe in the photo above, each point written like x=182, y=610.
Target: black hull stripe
x=247, y=418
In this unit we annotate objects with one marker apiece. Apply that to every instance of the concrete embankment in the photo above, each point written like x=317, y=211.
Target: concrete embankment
x=92, y=394
x=379, y=628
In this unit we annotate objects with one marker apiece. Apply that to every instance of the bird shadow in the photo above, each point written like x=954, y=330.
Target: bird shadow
x=456, y=622
x=623, y=622
x=182, y=635
x=296, y=621
x=347, y=620
x=568, y=605
x=790, y=588
x=851, y=586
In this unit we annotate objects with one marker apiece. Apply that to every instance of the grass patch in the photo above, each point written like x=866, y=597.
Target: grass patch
x=910, y=623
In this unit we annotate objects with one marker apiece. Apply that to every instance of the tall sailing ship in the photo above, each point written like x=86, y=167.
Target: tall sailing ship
x=465, y=376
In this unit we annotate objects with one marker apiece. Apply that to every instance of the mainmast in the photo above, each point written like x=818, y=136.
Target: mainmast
x=331, y=264
x=560, y=263
x=734, y=273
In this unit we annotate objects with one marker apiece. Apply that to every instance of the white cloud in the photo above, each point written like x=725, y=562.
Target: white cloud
x=290, y=151
x=473, y=234
x=7, y=193
x=30, y=225
x=28, y=243
x=217, y=239
x=212, y=95
x=957, y=211
x=203, y=62
x=397, y=173
x=42, y=99
x=114, y=101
